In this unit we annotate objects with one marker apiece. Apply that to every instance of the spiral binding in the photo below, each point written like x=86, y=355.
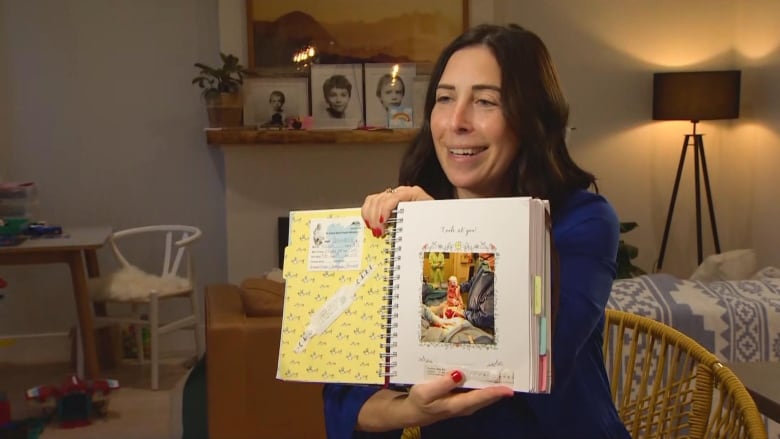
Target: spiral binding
x=389, y=312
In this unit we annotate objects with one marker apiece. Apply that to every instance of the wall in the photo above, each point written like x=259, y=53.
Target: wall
x=606, y=53
x=98, y=109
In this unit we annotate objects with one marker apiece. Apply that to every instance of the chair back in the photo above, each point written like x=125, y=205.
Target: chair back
x=177, y=237
x=666, y=385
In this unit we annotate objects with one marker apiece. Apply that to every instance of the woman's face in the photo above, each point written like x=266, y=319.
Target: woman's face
x=391, y=94
x=473, y=141
x=338, y=98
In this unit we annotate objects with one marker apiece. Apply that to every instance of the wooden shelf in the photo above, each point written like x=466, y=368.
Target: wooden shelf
x=248, y=136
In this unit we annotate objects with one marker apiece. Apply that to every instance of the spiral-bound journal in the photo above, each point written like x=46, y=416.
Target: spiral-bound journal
x=452, y=284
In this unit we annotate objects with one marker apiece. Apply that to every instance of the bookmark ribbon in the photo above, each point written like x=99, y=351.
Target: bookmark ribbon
x=332, y=309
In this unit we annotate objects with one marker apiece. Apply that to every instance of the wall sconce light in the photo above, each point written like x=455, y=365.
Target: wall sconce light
x=695, y=96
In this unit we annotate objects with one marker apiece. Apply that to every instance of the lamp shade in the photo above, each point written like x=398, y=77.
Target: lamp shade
x=696, y=96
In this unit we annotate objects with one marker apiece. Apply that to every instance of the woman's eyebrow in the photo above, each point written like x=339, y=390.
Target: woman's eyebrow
x=486, y=87
x=475, y=87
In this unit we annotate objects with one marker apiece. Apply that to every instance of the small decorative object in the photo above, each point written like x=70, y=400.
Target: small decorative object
x=222, y=91
x=337, y=95
x=389, y=87
x=626, y=252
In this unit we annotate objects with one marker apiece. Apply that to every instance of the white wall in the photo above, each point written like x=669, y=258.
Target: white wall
x=98, y=109
x=606, y=53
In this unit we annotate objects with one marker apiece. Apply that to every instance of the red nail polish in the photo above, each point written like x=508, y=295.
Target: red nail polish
x=381, y=219
x=366, y=221
x=456, y=376
x=377, y=232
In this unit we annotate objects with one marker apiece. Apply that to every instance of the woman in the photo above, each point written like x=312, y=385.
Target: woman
x=495, y=120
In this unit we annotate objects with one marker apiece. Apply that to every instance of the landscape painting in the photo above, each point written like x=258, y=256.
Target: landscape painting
x=350, y=32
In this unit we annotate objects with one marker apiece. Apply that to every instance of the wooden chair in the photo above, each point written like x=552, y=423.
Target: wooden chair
x=666, y=385
x=144, y=291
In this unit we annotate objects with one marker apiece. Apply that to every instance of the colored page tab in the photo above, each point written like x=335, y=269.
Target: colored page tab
x=543, y=335
x=538, y=300
x=543, y=365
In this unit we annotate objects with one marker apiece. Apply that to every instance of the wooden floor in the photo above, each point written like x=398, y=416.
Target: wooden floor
x=134, y=411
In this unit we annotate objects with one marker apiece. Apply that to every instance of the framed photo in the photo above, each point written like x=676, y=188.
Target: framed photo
x=389, y=89
x=337, y=95
x=349, y=31
x=269, y=102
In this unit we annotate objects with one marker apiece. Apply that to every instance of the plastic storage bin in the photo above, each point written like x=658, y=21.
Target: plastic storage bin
x=19, y=200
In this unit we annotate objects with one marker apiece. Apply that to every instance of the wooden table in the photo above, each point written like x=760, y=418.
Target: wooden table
x=77, y=245
x=762, y=380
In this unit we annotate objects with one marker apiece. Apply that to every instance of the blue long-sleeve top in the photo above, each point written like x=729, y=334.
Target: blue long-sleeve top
x=585, y=232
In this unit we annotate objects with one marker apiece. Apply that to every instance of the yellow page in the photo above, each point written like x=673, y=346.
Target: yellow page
x=335, y=278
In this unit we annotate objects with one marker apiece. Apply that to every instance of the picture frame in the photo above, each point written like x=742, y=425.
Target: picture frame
x=349, y=32
x=262, y=94
x=388, y=88
x=337, y=96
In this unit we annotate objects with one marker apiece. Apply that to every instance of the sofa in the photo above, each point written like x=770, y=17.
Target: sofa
x=245, y=400
x=736, y=317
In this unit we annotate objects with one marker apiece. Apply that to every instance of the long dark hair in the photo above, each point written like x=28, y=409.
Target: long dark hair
x=533, y=106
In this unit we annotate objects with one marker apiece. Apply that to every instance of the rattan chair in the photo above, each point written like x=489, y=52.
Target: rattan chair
x=666, y=385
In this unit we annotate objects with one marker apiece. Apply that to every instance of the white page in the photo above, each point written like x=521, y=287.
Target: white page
x=500, y=226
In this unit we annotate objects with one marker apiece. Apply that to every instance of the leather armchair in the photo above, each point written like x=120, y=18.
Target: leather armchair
x=245, y=400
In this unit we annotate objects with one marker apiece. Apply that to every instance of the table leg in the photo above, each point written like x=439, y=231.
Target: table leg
x=93, y=270
x=78, y=275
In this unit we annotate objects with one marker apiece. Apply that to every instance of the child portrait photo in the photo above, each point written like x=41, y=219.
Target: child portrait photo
x=337, y=95
x=274, y=102
x=390, y=94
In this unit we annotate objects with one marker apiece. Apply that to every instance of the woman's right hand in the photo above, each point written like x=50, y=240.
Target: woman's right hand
x=377, y=208
x=428, y=402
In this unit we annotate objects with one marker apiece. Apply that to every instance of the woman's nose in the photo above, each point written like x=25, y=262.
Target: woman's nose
x=461, y=117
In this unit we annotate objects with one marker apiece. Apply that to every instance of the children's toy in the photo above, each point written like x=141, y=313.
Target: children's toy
x=76, y=399
x=25, y=429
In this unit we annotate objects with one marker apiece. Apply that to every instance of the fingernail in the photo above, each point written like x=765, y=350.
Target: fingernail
x=381, y=219
x=366, y=221
x=456, y=376
x=377, y=232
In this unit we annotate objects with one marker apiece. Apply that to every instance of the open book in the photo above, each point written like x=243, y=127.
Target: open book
x=453, y=284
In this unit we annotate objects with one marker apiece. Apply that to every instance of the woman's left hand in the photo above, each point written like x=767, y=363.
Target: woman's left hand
x=377, y=208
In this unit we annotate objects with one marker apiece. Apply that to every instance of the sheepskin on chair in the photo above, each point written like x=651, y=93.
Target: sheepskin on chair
x=132, y=283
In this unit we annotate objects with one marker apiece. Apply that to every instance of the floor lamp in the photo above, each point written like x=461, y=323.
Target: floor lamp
x=695, y=96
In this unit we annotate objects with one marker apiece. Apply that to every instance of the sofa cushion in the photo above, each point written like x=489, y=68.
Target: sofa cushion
x=262, y=297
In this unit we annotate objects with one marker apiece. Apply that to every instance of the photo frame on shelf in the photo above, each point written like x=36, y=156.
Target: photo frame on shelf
x=271, y=102
x=337, y=96
x=349, y=31
x=389, y=89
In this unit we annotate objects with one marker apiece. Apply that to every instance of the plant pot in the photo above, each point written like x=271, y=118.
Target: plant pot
x=225, y=110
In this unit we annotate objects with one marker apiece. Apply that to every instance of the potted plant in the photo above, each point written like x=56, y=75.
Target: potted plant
x=626, y=252
x=222, y=91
